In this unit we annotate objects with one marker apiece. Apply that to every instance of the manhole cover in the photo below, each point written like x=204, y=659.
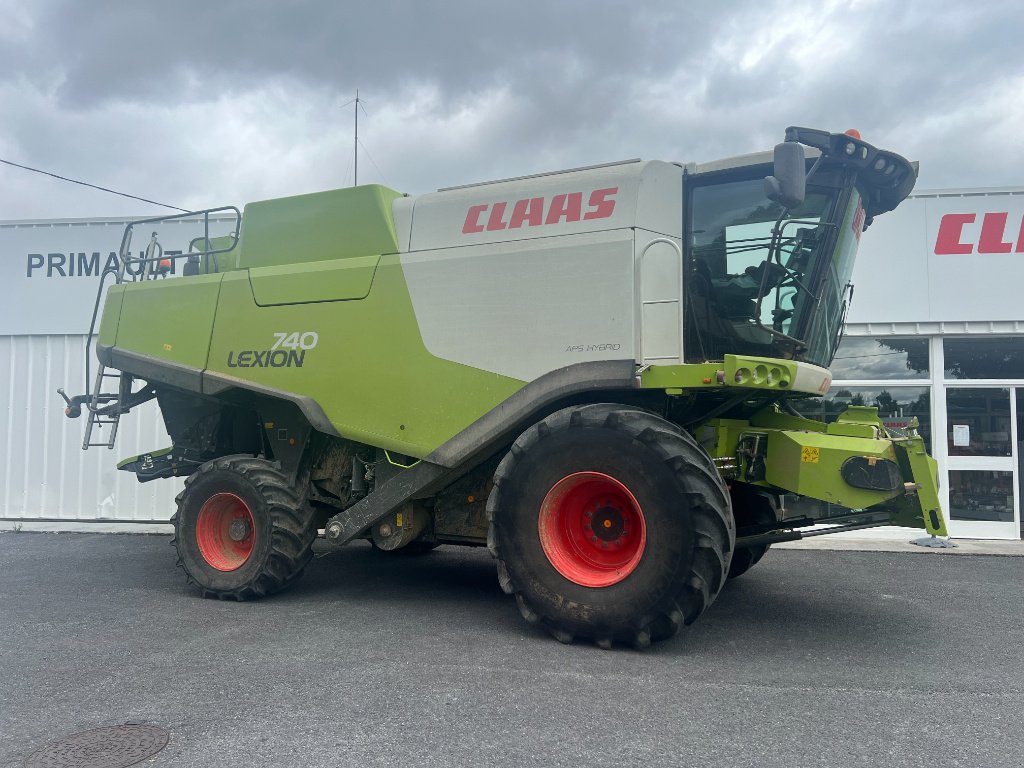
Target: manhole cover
x=116, y=746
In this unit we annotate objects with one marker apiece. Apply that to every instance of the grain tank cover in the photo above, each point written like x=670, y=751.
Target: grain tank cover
x=634, y=193
x=337, y=224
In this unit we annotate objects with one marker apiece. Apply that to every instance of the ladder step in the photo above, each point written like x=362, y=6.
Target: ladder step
x=97, y=420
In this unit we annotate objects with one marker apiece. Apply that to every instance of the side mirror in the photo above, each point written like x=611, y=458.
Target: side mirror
x=787, y=185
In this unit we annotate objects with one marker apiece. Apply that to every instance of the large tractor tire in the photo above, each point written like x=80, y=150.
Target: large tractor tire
x=242, y=530
x=750, y=507
x=609, y=523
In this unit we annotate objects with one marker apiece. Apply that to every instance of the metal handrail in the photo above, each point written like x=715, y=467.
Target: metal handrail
x=125, y=257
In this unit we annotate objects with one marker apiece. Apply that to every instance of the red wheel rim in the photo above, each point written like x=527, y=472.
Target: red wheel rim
x=225, y=532
x=592, y=529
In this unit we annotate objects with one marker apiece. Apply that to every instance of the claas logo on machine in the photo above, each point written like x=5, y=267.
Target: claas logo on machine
x=540, y=211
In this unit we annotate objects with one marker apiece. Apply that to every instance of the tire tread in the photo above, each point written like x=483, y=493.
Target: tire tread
x=292, y=533
x=709, y=500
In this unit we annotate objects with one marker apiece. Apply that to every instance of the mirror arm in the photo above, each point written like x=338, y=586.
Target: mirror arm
x=814, y=167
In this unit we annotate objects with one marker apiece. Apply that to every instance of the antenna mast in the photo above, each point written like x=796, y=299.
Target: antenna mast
x=355, y=145
x=357, y=104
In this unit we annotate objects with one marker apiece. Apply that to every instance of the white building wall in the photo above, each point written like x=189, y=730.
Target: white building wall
x=943, y=257
x=44, y=473
x=50, y=271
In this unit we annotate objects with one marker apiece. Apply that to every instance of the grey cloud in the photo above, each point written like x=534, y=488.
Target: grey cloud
x=199, y=102
x=135, y=50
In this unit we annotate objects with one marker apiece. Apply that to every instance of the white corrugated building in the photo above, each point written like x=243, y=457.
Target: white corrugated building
x=50, y=271
x=936, y=331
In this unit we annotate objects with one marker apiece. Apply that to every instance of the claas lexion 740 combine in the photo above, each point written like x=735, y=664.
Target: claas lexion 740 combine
x=595, y=373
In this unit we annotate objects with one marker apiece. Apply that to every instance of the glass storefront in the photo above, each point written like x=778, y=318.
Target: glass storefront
x=970, y=408
x=983, y=434
x=984, y=357
x=981, y=495
x=967, y=395
x=978, y=422
x=865, y=358
x=975, y=430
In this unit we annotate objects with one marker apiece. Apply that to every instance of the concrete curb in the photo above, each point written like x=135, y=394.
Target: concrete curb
x=963, y=546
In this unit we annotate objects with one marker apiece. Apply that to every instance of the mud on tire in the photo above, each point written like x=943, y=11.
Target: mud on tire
x=242, y=530
x=647, y=474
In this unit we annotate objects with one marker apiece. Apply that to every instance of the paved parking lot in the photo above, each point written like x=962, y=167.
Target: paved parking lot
x=813, y=658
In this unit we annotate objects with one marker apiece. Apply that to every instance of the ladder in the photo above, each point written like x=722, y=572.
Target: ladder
x=104, y=408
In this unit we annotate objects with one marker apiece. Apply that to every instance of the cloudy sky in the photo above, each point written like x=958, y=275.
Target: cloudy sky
x=207, y=102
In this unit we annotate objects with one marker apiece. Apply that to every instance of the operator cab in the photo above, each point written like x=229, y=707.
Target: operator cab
x=769, y=260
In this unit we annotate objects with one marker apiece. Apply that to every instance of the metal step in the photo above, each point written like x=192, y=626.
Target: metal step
x=108, y=401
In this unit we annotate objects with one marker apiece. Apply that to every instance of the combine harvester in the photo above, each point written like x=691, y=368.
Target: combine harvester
x=596, y=373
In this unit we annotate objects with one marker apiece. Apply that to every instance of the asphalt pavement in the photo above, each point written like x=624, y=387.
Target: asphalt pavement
x=814, y=658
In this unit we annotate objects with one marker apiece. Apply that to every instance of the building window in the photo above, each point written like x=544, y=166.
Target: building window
x=984, y=357
x=859, y=357
x=980, y=495
x=978, y=421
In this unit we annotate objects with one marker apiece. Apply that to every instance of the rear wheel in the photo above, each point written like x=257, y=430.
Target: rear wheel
x=609, y=523
x=241, y=529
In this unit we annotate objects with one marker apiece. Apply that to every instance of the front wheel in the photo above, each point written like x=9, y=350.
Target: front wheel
x=610, y=523
x=241, y=529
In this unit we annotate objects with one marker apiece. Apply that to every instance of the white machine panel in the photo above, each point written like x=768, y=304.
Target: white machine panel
x=524, y=308
x=627, y=194
x=661, y=291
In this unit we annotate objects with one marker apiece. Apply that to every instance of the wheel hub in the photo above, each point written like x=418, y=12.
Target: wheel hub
x=239, y=529
x=607, y=523
x=225, y=532
x=592, y=529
